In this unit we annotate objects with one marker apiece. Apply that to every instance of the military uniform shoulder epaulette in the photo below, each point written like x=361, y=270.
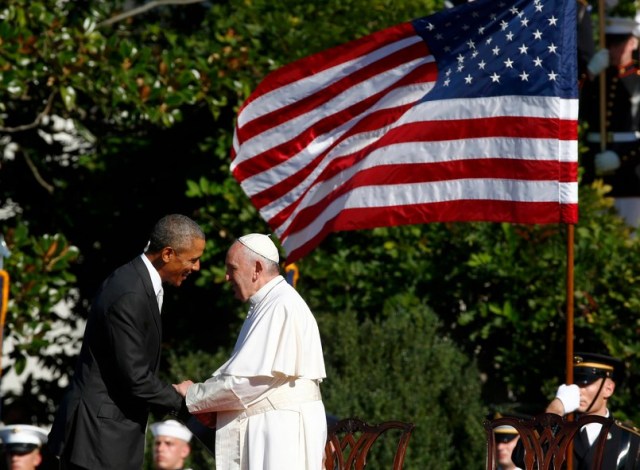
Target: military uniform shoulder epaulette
x=628, y=427
x=628, y=69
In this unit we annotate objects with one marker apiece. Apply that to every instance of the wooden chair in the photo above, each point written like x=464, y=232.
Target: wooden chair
x=350, y=440
x=547, y=439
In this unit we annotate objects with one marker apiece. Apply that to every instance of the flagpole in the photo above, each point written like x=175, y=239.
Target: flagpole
x=570, y=298
x=569, y=327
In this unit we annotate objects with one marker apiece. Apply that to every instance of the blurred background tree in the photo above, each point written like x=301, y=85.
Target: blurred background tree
x=109, y=120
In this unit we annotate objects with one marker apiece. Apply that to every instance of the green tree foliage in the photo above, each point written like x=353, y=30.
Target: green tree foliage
x=624, y=8
x=40, y=280
x=400, y=365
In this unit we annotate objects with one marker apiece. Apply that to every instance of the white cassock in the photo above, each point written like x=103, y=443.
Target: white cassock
x=270, y=414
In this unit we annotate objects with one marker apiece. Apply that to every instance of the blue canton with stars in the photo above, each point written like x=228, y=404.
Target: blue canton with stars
x=503, y=47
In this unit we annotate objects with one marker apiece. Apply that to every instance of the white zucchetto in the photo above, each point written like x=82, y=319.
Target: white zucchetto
x=262, y=245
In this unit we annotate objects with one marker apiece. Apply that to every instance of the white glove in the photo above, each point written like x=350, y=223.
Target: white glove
x=569, y=395
x=598, y=62
x=606, y=161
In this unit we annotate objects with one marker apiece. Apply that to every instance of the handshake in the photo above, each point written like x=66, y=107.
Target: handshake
x=183, y=386
x=208, y=419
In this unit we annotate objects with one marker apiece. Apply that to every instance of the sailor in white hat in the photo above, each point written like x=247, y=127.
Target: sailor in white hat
x=21, y=445
x=171, y=445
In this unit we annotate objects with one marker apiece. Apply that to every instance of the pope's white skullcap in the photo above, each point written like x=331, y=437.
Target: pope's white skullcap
x=23, y=434
x=262, y=245
x=171, y=428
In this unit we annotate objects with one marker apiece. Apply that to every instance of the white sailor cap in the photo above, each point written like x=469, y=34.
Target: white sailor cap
x=171, y=428
x=22, y=438
x=622, y=25
x=262, y=245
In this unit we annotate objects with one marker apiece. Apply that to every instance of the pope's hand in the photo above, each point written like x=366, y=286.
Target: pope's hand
x=208, y=419
x=183, y=386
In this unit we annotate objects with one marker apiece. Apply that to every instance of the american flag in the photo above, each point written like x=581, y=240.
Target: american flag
x=469, y=114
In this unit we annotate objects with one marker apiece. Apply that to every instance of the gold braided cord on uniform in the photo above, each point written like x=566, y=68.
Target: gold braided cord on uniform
x=595, y=365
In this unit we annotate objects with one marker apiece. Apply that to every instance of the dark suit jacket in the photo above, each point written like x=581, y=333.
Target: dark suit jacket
x=101, y=422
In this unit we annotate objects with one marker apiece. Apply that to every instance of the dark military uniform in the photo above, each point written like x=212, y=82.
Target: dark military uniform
x=622, y=449
x=621, y=452
x=623, y=127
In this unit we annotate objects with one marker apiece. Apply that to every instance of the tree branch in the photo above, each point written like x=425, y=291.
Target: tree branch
x=36, y=121
x=143, y=8
x=36, y=174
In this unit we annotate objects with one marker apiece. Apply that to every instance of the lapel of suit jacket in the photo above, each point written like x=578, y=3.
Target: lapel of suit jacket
x=141, y=268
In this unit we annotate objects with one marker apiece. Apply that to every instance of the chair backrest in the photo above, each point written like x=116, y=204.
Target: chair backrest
x=350, y=440
x=547, y=439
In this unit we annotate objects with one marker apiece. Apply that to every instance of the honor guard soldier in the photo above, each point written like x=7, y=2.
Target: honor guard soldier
x=21, y=445
x=617, y=159
x=595, y=378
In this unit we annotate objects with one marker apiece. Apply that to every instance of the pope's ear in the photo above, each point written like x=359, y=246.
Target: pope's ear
x=259, y=267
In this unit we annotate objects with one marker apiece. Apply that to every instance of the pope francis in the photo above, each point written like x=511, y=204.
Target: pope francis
x=265, y=400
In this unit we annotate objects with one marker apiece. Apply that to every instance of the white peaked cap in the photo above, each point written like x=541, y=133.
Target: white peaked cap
x=262, y=245
x=23, y=434
x=171, y=428
x=622, y=25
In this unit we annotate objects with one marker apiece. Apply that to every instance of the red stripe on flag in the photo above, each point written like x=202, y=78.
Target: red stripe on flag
x=453, y=211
